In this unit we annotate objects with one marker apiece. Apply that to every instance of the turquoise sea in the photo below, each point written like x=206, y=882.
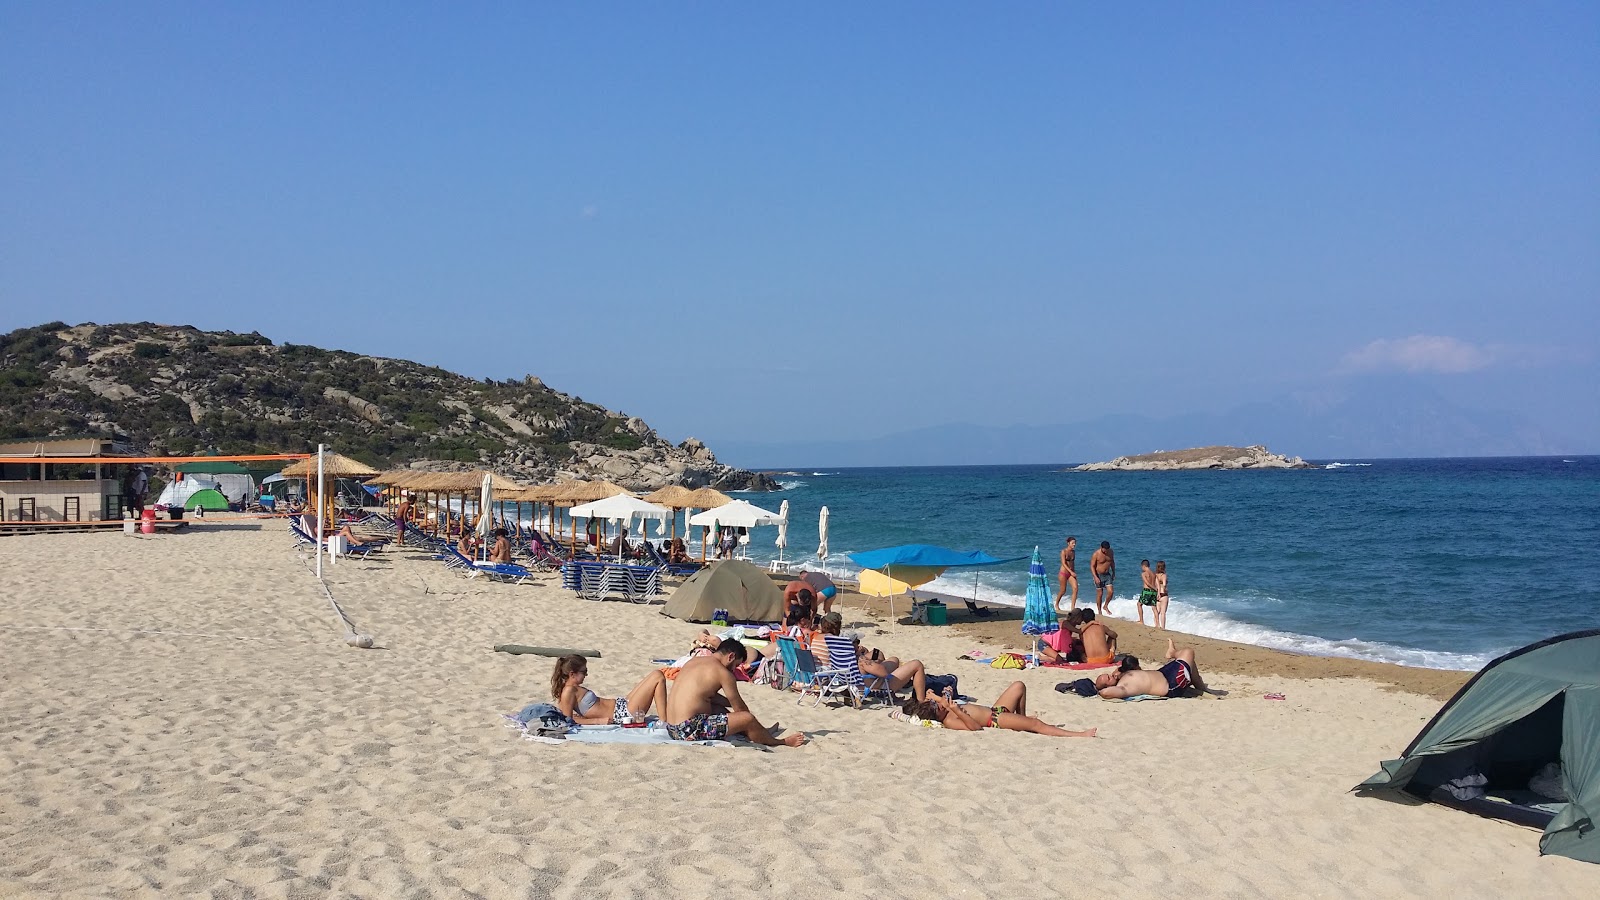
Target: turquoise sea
x=1431, y=562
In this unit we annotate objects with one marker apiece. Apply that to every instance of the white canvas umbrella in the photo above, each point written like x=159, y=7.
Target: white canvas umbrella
x=485, y=521
x=783, y=529
x=822, y=533
x=738, y=514
x=621, y=508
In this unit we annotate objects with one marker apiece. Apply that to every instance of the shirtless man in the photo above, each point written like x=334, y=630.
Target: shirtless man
x=1103, y=566
x=1147, y=587
x=704, y=685
x=1180, y=673
x=402, y=518
x=1099, y=642
x=1069, y=573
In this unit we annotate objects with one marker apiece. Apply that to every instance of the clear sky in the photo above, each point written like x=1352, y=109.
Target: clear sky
x=743, y=220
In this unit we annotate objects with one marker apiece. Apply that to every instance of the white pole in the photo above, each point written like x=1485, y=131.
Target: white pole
x=320, y=507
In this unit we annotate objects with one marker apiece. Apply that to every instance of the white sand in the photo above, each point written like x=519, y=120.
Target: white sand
x=258, y=755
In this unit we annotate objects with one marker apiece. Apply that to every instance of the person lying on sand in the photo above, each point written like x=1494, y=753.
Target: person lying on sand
x=583, y=706
x=1010, y=711
x=1099, y=642
x=703, y=686
x=1179, y=675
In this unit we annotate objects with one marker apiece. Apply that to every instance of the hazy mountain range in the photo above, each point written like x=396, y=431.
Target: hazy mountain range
x=1356, y=418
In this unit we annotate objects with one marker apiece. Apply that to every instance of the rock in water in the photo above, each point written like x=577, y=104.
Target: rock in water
x=1253, y=457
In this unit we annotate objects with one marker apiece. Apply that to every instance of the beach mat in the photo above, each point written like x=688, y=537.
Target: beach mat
x=1078, y=666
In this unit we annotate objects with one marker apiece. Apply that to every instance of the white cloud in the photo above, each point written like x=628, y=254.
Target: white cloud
x=1418, y=353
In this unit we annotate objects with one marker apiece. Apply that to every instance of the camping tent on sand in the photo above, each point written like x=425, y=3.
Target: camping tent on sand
x=1515, y=740
x=744, y=590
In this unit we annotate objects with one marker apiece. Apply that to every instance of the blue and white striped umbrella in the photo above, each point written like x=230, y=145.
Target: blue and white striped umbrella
x=1039, y=613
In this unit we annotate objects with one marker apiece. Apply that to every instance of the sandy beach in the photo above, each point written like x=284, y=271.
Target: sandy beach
x=180, y=716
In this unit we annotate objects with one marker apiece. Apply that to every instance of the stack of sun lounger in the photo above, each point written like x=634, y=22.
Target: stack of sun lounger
x=598, y=580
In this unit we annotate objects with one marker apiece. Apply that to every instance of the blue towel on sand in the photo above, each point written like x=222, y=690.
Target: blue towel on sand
x=656, y=733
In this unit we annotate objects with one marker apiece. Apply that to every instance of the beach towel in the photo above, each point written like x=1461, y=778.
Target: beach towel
x=1077, y=665
x=655, y=733
x=1134, y=699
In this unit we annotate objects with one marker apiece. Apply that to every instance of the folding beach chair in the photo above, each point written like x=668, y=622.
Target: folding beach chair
x=800, y=668
x=848, y=677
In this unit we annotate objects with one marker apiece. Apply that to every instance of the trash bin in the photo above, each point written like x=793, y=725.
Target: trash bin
x=147, y=523
x=174, y=512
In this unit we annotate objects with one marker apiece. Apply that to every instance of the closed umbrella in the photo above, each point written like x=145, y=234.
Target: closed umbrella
x=485, y=503
x=1039, y=612
x=822, y=535
x=783, y=529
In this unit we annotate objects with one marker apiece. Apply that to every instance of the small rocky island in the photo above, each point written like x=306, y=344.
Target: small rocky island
x=1253, y=457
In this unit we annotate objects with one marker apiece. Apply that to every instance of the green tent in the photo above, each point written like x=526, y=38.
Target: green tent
x=207, y=499
x=1526, y=710
x=744, y=590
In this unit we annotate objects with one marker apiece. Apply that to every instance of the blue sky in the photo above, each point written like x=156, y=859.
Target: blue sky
x=744, y=222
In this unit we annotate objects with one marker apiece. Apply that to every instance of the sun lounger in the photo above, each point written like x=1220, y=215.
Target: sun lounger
x=598, y=580
x=677, y=569
x=472, y=568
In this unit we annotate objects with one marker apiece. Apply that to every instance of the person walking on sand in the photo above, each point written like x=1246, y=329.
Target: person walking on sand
x=704, y=686
x=1147, y=588
x=1069, y=573
x=1010, y=711
x=1161, y=593
x=1103, y=566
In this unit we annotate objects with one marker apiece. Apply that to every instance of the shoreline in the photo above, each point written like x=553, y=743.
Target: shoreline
x=1003, y=630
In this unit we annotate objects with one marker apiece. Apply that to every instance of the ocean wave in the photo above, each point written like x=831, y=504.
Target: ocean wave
x=1343, y=465
x=791, y=485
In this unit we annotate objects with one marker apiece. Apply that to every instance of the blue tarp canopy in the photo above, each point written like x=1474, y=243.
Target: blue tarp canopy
x=925, y=555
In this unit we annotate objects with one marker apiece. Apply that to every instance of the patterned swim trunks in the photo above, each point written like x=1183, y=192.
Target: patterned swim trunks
x=620, y=717
x=710, y=727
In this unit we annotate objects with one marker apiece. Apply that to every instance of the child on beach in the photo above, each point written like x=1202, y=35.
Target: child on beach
x=1147, y=592
x=583, y=706
x=1010, y=711
x=1161, y=593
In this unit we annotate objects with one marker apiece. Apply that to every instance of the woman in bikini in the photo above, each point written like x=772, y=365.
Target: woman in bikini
x=1161, y=593
x=1069, y=573
x=1010, y=712
x=587, y=708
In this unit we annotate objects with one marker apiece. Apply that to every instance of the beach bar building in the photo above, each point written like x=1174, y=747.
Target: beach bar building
x=62, y=479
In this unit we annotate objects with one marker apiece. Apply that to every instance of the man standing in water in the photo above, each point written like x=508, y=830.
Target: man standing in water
x=1103, y=566
x=1069, y=573
x=704, y=688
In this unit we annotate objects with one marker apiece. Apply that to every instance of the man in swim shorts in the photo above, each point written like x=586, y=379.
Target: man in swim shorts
x=1099, y=642
x=1103, y=566
x=704, y=702
x=823, y=587
x=1147, y=587
x=1180, y=674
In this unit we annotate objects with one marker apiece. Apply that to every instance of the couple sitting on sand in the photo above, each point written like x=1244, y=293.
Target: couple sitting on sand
x=1080, y=640
x=704, y=703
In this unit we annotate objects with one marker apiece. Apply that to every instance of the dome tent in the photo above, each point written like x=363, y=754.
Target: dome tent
x=1523, y=712
x=208, y=499
x=744, y=590
x=178, y=492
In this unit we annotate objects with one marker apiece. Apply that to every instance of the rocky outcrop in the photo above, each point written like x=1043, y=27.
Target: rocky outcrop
x=1252, y=457
x=177, y=389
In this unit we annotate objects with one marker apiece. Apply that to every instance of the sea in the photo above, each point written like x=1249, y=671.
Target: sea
x=1439, y=563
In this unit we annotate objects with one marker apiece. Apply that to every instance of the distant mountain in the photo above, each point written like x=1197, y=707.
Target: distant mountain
x=1353, y=418
x=170, y=389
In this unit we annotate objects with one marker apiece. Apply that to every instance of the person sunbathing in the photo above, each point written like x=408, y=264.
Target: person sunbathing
x=706, y=685
x=1178, y=676
x=585, y=707
x=1010, y=711
x=899, y=674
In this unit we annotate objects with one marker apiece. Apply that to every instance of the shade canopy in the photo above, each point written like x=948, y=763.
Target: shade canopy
x=333, y=465
x=585, y=491
x=620, y=508
x=738, y=514
x=707, y=498
x=673, y=496
x=925, y=555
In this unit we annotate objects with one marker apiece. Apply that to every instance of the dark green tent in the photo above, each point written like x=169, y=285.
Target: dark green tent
x=1527, y=709
x=744, y=590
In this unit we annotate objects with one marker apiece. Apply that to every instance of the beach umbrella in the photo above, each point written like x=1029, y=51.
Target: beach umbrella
x=897, y=570
x=783, y=529
x=822, y=535
x=485, y=501
x=1039, y=612
x=621, y=508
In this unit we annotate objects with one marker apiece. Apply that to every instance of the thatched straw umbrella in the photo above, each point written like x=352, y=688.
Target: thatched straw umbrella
x=335, y=466
x=673, y=497
x=575, y=492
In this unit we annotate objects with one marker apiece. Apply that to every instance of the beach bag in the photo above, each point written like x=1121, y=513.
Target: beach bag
x=1008, y=661
x=938, y=684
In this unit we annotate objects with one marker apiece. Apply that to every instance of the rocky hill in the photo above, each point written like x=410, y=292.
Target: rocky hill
x=178, y=390
x=1253, y=457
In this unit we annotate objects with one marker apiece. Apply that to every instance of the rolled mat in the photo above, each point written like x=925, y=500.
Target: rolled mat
x=520, y=649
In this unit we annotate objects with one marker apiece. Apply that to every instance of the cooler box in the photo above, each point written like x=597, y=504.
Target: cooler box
x=937, y=614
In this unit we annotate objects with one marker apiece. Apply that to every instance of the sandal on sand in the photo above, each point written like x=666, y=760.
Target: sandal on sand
x=1273, y=696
